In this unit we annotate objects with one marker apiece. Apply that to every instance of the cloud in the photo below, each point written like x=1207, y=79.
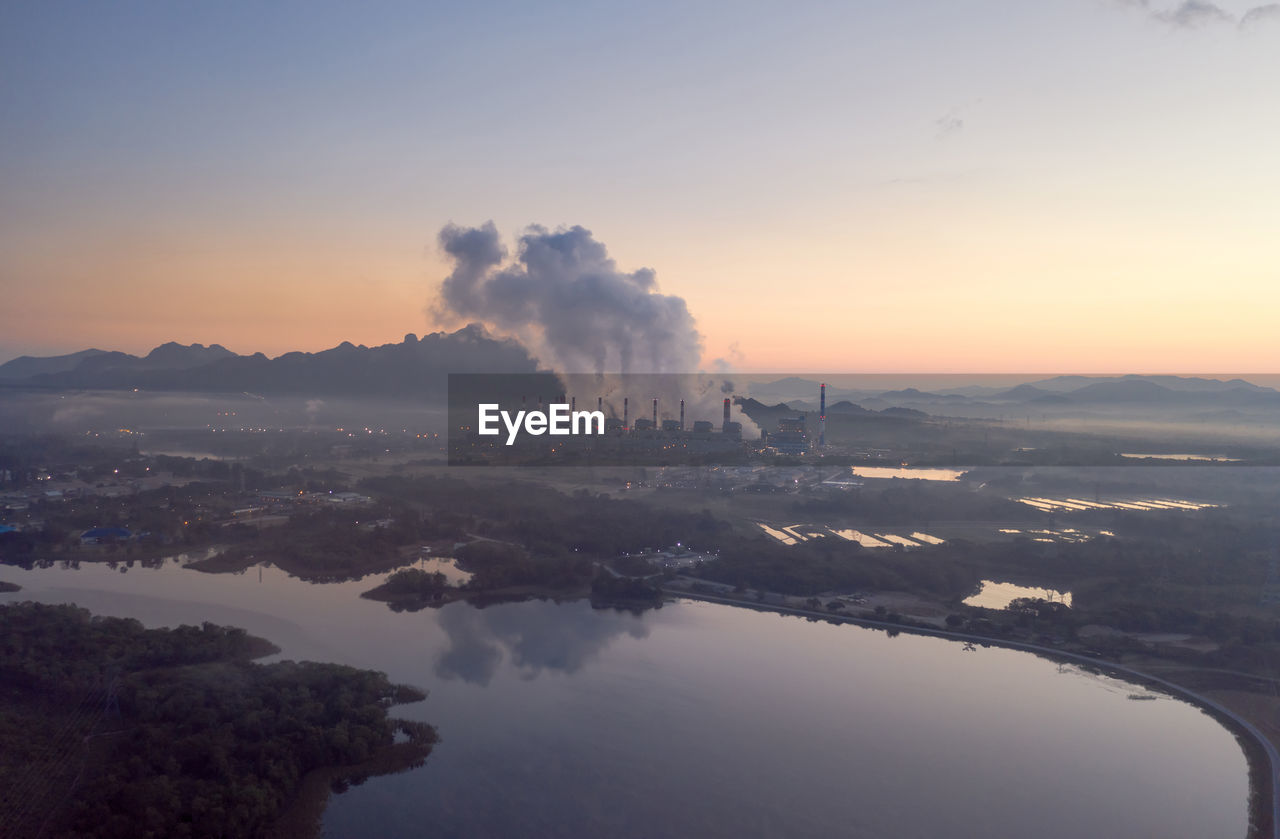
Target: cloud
x=730, y=362
x=1260, y=15
x=532, y=637
x=1193, y=13
x=948, y=125
x=566, y=299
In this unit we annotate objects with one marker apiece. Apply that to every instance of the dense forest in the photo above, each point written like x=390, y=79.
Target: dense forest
x=113, y=730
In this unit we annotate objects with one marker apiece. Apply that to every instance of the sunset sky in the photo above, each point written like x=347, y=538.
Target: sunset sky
x=1055, y=186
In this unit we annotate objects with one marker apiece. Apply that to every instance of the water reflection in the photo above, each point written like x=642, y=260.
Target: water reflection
x=531, y=636
x=920, y=474
x=722, y=723
x=998, y=595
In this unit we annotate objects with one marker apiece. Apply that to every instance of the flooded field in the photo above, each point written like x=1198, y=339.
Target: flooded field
x=996, y=595
x=1212, y=458
x=1139, y=503
x=796, y=533
x=907, y=472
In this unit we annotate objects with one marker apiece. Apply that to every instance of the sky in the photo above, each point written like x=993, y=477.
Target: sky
x=911, y=186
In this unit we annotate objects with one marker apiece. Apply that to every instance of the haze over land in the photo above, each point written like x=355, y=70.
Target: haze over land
x=936, y=350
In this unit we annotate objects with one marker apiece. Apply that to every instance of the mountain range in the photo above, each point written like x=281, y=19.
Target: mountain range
x=413, y=366
x=420, y=366
x=1061, y=393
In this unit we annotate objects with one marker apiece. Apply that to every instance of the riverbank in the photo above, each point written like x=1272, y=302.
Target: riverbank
x=1260, y=752
x=413, y=601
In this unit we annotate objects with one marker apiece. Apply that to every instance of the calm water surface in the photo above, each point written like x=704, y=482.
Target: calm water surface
x=698, y=719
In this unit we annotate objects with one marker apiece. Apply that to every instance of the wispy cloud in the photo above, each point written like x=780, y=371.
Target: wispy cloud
x=1193, y=14
x=1260, y=15
x=952, y=123
x=948, y=124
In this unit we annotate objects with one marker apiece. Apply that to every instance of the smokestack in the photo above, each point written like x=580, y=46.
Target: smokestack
x=573, y=404
x=726, y=414
x=626, y=412
x=682, y=415
x=600, y=403
x=822, y=416
x=655, y=413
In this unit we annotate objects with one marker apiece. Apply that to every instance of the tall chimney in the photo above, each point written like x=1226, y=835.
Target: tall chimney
x=599, y=403
x=726, y=414
x=655, y=412
x=682, y=415
x=625, y=413
x=822, y=416
x=573, y=404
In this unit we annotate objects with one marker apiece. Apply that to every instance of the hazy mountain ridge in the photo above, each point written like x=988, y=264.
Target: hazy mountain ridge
x=413, y=366
x=1092, y=391
x=420, y=366
x=26, y=366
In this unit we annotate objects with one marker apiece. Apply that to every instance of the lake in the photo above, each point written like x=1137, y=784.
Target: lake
x=558, y=720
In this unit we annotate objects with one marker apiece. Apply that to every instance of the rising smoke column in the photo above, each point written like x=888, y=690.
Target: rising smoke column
x=563, y=297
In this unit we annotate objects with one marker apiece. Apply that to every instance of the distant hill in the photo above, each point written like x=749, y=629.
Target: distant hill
x=1177, y=383
x=174, y=356
x=106, y=365
x=910, y=413
x=24, y=367
x=1185, y=391
x=1022, y=393
x=1136, y=390
x=412, y=367
x=909, y=393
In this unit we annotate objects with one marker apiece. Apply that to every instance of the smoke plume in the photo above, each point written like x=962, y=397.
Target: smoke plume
x=565, y=299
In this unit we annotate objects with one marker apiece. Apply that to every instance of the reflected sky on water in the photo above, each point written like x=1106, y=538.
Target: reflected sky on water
x=558, y=719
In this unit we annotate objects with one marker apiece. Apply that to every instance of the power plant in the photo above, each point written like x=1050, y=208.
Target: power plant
x=665, y=437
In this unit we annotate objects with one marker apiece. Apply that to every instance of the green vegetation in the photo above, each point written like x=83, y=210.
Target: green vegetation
x=495, y=565
x=332, y=542
x=607, y=590
x=545, y=521
x=411, y=587
x=199, y=741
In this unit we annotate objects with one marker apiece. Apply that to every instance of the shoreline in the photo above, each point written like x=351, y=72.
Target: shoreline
x=1261, y=755
x=304, y=815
